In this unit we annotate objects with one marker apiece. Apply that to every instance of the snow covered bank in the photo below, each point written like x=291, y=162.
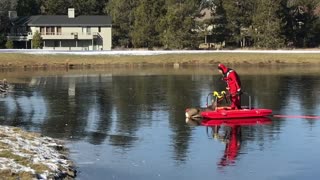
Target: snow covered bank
x=150, y=53
x=26, y=155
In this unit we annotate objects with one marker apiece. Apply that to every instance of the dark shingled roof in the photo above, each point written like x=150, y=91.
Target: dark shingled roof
x=23, y=21
x=63, y=20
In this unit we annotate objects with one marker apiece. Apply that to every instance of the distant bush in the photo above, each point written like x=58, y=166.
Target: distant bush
x=9, y=44
x=36, y=40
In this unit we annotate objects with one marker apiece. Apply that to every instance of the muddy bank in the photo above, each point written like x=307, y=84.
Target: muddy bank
x=25, y=155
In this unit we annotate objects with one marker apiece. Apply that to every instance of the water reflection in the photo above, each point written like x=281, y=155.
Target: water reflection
x=141, y=116
x=228, y=132
x=232, y=136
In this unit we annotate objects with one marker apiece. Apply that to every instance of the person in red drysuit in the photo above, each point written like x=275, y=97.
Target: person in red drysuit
x=233, y=85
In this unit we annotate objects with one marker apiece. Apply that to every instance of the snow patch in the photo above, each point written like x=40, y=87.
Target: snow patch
x=150, y=52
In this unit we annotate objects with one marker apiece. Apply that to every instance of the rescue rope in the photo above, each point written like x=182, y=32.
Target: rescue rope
x=296, y=116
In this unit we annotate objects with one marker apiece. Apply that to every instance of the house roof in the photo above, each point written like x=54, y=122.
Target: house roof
x=64, y=20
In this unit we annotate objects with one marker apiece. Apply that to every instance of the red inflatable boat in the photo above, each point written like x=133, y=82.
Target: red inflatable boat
x=215, y=112
x=225, y=113
x=237, y=113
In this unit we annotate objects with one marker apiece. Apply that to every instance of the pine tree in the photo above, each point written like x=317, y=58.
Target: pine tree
x=28, y=7
x=220, y=31
x=178, y=25
x=56, y=7
x=5, y=6
x=2, y=40
x=121, y=12
x=147, y=15
x=239, y=17
x=267, y=25
x=84, y=7
x=303, y=22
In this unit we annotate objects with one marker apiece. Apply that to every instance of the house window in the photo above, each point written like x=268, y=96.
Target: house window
x=86, y=30
x=50, y=31
x=42, y=31
x=59, y=31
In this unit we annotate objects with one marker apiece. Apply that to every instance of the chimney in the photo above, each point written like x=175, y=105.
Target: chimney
x=71, y=13
x=12, y=14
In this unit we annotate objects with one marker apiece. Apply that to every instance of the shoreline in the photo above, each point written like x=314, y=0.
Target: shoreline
x=28, y=155
x=36, y=58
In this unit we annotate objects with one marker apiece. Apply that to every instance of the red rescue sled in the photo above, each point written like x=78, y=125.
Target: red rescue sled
x=215, y=112
x=236, y=113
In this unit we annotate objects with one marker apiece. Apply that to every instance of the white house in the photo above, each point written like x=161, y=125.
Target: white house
x=63, y=32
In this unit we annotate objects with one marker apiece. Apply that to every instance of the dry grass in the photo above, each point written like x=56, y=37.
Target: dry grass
x=22, y=60
x=18, y=159
x=9, y=175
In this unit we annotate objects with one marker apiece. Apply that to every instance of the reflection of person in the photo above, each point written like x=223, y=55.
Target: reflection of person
x=232, y=146
x=233, y=85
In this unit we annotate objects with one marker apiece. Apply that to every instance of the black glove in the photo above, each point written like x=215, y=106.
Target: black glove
x=239, y=93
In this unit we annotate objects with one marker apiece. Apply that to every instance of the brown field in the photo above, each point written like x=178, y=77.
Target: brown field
x=17, y=67
x=28, y=60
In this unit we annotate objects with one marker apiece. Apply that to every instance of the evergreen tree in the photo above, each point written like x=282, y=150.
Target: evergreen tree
x=5, y=6
x=28, y=7
x=220, y=31
x=286, y=22
x=2, y=40
x=303, y=22
x=9, y=44
x=84, y=7
x=147, y=15
x=239, y=17
x=121, y=12
x=36, y=40
x=56, y=7
x=267, y=25
x=178, y=27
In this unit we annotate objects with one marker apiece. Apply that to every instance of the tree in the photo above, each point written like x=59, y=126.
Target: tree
x=89, y=7
x=267, y=25
x=220, y=31
x=36, y=40
x=239, y=17
x=9, y=44
x=28, y=7
x=84, y=7
x=304, y=19
x=56, y=7
x=178, y=27
x=147, y=14
x=121, y=12
x=2, y=40
x=5, y=6
x=286, y=22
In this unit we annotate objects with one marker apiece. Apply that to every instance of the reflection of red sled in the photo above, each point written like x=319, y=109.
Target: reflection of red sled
x=225, y=113
x=236, y=122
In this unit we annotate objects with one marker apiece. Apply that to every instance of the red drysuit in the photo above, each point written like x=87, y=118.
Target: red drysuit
x=234, y=85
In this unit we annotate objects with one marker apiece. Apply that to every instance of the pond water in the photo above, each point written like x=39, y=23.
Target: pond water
x=130, y=124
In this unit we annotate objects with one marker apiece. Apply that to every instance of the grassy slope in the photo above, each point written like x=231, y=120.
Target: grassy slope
x=210, y=58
